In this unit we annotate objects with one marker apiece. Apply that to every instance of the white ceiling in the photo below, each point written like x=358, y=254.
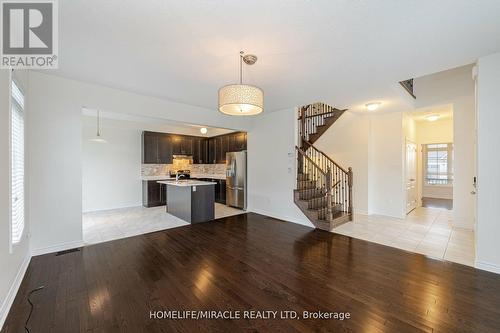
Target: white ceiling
x=128, y=122
x=443, y=111
x=343, y=52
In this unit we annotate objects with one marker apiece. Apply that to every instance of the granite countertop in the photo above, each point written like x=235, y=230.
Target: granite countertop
x=201, y=175
x=160, y=177
x=186, y=182
x=167, y=177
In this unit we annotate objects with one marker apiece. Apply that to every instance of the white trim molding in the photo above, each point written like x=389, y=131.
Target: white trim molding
x=486, y=266
x=56, y=248
x=11, y=295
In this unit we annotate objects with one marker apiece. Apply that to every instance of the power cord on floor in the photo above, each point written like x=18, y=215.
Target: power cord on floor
x=31, y=304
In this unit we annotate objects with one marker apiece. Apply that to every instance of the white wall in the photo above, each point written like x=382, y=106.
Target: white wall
x=372, y=144
x=111, y=171
x=488, y=222
x=440, y=131
x=385, y=175
x=271, y=167
x=13, y=263
x=56, y=148
x=346, y=142
x=456, y=87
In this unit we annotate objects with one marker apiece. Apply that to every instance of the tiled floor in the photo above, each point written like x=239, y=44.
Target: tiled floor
x=107, y=225
x=425, y=230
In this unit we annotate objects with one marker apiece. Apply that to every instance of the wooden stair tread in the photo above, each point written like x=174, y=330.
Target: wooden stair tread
x=339, y=218
x=315, y=119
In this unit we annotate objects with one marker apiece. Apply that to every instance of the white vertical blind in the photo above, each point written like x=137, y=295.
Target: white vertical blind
x=17, y=158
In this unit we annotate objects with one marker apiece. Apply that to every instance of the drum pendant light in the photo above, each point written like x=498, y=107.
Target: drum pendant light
x=241, y=99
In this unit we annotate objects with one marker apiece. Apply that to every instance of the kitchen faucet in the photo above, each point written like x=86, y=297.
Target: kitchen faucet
x=178, y=175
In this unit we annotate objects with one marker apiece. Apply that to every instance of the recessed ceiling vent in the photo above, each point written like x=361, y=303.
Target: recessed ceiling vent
x=60, y=253
x=408, y=85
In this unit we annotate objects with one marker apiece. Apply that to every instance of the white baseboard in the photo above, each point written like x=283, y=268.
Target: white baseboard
x=360, y=211
x=306, y=222
x=56, y=248
x=486, y=266
x=11, y=295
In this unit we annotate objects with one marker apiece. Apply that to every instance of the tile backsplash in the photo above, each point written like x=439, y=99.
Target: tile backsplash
x=196, y=169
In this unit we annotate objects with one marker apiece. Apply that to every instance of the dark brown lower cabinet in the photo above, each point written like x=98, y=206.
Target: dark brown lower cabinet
x=153, y=194
x=220, y=189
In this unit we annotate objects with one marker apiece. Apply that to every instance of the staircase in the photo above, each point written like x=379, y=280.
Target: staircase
x=324, y=188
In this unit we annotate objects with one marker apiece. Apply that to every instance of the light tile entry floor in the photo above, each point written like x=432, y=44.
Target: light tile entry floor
x=427, y=231
x=103, y=226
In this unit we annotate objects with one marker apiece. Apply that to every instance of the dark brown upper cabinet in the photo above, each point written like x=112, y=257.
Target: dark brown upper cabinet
x=200, y=151
x=159, y=148
x=165, y=149
x=150, y=148
x=212, y=156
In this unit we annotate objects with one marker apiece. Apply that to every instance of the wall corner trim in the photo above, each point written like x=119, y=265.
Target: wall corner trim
x=486, y=266
x=56, y=248
x=11, y=295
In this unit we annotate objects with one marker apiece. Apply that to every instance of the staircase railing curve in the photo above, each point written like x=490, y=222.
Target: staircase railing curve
x=322, y=180
x=338, y=180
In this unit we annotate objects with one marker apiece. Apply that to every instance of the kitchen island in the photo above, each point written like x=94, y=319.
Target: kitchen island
x=190, y=200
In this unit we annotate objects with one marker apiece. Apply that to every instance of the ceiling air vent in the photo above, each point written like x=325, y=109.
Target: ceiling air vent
x=408, y=85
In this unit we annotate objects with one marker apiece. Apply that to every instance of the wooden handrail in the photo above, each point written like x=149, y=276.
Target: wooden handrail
x=310, y=160
x=337, y=181
x=326, y=156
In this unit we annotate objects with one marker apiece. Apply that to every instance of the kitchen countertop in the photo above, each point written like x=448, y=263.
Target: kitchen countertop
x=163, y=177
x=186, y=183
x=201, y=175
x=167, y=177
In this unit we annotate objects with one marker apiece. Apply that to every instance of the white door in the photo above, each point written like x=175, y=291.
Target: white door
x=411, y=176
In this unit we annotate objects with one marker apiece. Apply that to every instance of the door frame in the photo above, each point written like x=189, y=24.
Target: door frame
x=405, y=169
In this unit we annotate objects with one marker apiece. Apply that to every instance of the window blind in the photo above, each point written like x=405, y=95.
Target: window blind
x=17, y=160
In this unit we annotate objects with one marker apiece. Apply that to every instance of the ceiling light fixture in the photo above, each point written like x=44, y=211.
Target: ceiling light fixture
x=203, y=130
x=98, y=138
x=373, y=106
x=241, y=99
x=432, y=117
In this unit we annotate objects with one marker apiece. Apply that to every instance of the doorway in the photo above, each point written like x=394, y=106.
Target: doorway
x=411, y=176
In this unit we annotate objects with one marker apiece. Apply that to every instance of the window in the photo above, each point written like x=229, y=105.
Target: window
x=438, y=163
x=17, y=160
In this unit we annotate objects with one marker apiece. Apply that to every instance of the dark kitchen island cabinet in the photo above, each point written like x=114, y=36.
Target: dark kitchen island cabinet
x=191, y=200
x=153, y=193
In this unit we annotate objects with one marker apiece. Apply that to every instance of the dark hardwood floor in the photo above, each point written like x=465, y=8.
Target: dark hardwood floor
x=437, y=203
x=254, y=262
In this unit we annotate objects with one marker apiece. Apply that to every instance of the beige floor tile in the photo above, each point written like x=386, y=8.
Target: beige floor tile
x=126, y=222
x=425, y=230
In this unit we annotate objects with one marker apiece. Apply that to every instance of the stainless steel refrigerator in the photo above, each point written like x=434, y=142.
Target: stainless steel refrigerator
x=236, y=179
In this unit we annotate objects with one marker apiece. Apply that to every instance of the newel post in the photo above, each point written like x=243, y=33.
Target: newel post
x=349, y=183
x=329, y=189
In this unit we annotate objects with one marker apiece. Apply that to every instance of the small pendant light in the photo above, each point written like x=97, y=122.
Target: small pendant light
x=98, y=138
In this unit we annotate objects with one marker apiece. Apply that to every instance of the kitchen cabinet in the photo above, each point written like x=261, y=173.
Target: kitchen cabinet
x=212, y=156
x=222, y=147
x=220, y=189
x=153, y=194
x=182, y=145
x=200, y=151
x=156, y=148
x=149, y=148
x=240, y=141
x=159, y=148
x=165, y=149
